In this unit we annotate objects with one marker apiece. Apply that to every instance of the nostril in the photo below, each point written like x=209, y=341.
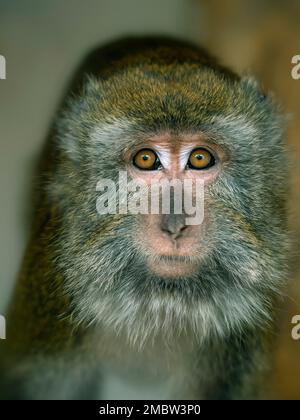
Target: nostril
x=172, y=232
x=173, y=225
x=179, y=232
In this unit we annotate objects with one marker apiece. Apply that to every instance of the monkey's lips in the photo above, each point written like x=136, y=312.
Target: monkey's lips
x=172, y=266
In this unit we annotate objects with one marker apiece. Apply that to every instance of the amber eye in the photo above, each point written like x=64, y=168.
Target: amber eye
x=200, y=159
x=146, y=160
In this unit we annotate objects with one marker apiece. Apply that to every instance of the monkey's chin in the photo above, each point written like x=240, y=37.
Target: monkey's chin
x=172, y=266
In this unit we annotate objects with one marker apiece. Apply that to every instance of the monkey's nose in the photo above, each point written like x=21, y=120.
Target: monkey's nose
x=173, y=225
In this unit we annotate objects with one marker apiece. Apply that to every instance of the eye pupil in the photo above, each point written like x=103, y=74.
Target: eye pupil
x=146, y=160
x=200, y=159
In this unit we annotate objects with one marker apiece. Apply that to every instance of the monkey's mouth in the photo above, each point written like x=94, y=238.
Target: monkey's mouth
x=174, y=258
x=173, y=266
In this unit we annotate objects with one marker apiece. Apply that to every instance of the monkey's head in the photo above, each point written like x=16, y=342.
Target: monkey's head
x=159, y=111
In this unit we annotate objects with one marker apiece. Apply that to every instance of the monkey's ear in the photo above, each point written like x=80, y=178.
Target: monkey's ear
x=90, y=85
x=251, y=81
x=252, y=86
x=76, y=118
x=267, y=107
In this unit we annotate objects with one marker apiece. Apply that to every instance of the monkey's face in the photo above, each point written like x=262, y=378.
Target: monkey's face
x=173, y=245
x=146, y=272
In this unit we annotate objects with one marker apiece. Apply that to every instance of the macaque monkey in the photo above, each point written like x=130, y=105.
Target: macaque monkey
x=146, y=306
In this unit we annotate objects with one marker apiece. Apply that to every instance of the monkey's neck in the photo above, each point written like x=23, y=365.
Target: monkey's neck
x=157, y=370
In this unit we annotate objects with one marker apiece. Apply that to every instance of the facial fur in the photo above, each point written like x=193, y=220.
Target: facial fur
x=235, y=259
